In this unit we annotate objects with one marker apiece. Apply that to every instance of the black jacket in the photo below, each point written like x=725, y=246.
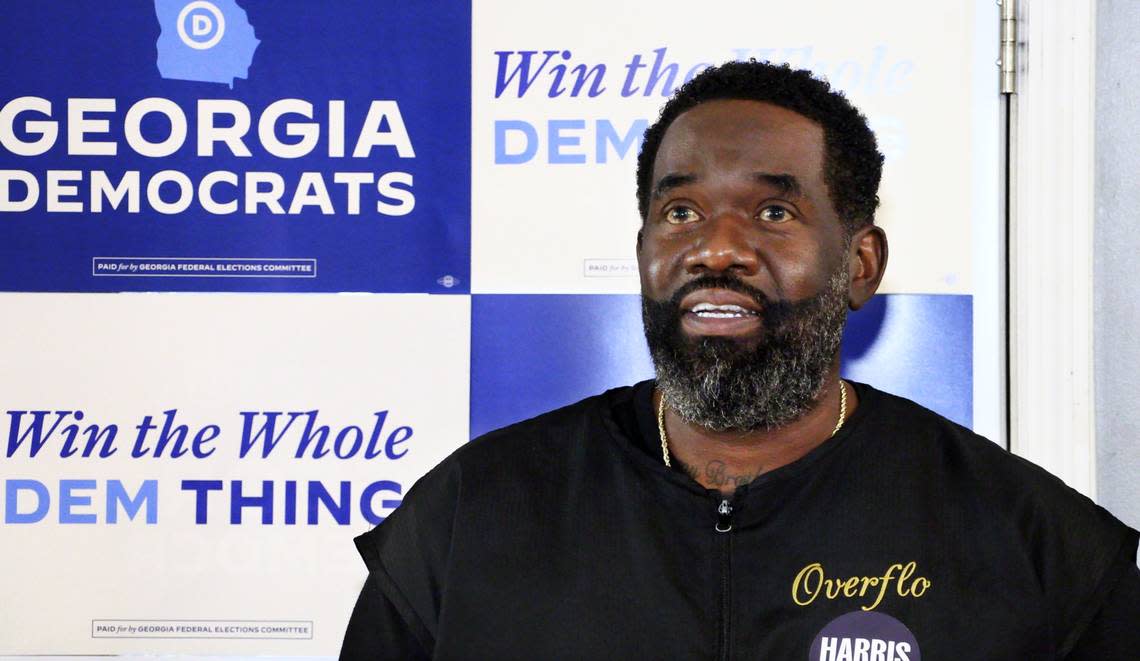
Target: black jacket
x=903, y=537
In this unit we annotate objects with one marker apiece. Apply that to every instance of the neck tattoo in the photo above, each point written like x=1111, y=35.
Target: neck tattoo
x=665, y=437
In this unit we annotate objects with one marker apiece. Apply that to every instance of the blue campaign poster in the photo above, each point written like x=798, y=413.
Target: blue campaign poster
x=235, y=145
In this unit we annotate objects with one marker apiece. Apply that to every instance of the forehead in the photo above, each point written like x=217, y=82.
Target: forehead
x=733, y=134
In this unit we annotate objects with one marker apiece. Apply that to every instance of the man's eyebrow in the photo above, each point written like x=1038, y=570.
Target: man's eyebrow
x=670, y=181
x=787, y=184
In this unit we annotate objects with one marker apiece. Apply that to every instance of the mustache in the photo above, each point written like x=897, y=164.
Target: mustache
x=720, y=281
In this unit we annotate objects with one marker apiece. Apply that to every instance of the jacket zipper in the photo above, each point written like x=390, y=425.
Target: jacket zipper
x=723, y=527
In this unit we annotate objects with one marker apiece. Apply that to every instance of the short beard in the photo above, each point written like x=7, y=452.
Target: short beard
x=723, y=383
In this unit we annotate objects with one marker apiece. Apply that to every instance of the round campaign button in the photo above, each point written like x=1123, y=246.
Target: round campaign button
x=864, y=636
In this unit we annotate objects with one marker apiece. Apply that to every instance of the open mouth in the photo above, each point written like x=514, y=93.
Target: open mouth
x=714, y=311
x=720, y=311
x=721, y=319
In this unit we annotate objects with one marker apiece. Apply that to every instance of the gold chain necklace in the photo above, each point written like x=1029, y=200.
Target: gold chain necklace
x=665, y=438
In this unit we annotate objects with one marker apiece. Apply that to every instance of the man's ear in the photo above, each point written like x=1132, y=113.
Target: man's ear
x=640, y=235
x=867, y=257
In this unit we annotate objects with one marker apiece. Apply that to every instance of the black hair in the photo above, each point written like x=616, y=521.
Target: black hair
x=852, y=162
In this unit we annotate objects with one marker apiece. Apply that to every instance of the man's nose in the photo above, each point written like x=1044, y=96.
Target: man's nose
x=726, y=243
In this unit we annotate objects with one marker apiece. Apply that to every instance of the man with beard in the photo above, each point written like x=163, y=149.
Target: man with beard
x=748, y=503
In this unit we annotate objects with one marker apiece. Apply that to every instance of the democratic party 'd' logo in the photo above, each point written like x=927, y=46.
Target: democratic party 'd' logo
x=206, y=22
x=204, y=41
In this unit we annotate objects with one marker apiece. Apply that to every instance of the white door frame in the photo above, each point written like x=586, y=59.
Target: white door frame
x=1052, y=418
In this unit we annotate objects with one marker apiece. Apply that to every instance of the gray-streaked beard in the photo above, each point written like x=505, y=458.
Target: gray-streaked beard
x=722, y=383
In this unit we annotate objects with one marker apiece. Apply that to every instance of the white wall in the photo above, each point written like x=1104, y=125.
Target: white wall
x=1117, y=245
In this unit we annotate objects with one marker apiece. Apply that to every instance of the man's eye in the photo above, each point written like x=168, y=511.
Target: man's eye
x=774, y=214
x=681, y=215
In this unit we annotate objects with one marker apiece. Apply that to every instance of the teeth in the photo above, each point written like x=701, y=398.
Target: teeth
x=710, y=311
x=710, y=308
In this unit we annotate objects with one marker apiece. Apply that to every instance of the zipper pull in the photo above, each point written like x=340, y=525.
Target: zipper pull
x=724, y=517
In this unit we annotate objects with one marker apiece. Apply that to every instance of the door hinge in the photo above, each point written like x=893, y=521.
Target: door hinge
x=1007, y=60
